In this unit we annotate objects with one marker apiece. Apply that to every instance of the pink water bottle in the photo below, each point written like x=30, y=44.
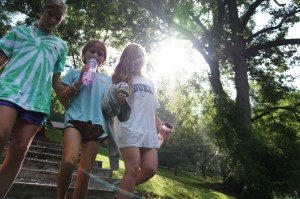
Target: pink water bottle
x=164, y=132
x=89, y=76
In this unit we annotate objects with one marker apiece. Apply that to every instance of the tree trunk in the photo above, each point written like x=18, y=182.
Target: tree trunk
x=215, y=78
x=203, y=170
x=176, y=171
x=240, y=68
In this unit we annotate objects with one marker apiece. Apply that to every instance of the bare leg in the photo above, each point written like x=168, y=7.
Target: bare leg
x=88, y=155
x=71, y=147
x=6, y=126
x=131, y=156
x=148, y=166
x=16, y=153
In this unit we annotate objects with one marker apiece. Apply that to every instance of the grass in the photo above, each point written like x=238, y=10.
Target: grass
x=164, y=185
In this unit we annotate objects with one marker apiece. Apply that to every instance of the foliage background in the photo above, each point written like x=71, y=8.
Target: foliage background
x=251, y=135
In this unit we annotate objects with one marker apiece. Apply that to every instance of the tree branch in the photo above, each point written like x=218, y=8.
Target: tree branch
x=270, y=110
x=198, y=22
x=273, y=27
x=250, y=12
x=250, y=52
x=155, y=7
x=279, y=4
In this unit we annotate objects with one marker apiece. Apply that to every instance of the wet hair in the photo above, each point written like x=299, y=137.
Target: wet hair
x=132, y=60
x=50, y=3
x=91, y=43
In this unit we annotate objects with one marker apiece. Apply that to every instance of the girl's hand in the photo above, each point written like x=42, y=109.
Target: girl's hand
x=121, y=98
x=78, y=83
x=84, y=69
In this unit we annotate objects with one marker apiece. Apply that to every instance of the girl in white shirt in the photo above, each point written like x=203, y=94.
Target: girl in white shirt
x=137, y=137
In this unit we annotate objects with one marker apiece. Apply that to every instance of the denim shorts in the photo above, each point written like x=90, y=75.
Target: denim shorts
x=33, y=117
x=88, y=130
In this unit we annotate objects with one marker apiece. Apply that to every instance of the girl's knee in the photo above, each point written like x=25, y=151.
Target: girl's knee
x=151, y=171
x=4, y=136
x=132, y=171
x=68, y=163
x=86, y=169
x=18, y=149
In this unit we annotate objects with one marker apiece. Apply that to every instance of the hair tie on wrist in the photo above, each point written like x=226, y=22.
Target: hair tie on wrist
x=74, y=87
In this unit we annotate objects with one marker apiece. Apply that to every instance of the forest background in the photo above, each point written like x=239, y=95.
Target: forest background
x=237, y=114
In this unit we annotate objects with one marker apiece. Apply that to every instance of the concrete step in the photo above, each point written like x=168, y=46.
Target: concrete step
x=98, y=180
x=46, y=165
x=46, y=149
x=103, y=180
x=46, y=144
x=56, y=151
x=37, y=153
x=22, y=190
x=45, y=139
x=37, y=177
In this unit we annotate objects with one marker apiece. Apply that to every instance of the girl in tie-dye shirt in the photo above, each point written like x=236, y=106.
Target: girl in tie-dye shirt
x=32, y=59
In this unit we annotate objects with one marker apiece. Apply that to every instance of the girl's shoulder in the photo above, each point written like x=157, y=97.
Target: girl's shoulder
x=21, y=27
x=142, y=79
x=73, y=71
x=60, y=40
x=106, y=78
x=103, y=75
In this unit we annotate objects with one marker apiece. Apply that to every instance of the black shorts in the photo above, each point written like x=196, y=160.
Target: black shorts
x=88, y=130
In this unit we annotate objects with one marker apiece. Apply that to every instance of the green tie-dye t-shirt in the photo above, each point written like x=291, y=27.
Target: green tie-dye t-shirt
x=34, y=56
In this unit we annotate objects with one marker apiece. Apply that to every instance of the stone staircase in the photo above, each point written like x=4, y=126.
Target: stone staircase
x=37, y=178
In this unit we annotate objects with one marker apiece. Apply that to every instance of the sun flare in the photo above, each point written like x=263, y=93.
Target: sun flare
x=173, y=58
x=169, y=58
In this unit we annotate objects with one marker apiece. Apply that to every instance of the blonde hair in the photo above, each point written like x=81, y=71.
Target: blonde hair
x=89, y=44
x=50, y=3
x=132, y=60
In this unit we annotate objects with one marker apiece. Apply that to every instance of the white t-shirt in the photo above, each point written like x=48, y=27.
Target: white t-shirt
x=140, y=129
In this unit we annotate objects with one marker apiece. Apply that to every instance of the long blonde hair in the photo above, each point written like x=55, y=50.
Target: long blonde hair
x=132, y=60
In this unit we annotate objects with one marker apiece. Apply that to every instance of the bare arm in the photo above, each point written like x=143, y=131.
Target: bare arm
x=3, y=58
x=66, y=93
x=58, y=87
x=157, y=121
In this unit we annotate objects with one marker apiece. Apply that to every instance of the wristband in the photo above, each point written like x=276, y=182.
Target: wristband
x=74, y=87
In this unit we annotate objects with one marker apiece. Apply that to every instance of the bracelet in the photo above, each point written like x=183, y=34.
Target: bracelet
x=66, y=96
x=74, y=87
